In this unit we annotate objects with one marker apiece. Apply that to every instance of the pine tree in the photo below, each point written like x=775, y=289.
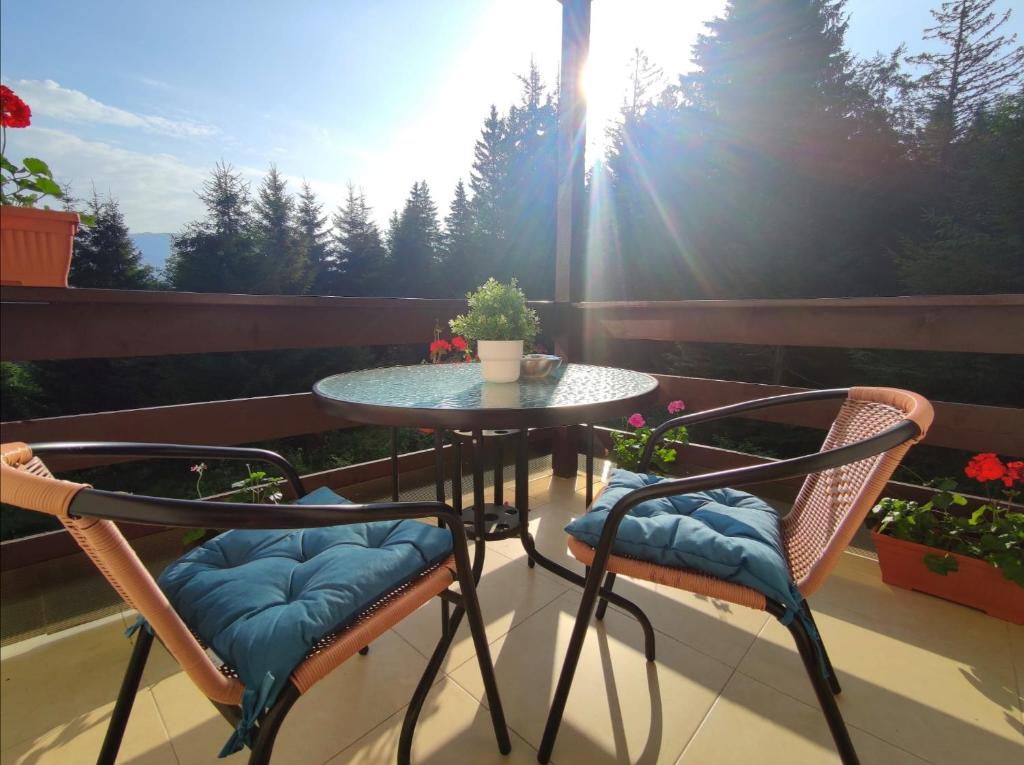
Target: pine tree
x=974, y=68
x=459, y=245
x=311, y=224
x=218, y=253
x=414, y=241
x=531, y=184
x=357, y=267
x=489, y=184
x=105, y=256
x=282, y=256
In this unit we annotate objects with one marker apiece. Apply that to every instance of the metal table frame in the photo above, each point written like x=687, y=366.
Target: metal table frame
x=521, y=420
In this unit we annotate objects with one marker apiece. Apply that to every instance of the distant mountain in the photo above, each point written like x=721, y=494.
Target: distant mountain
x=155, y=248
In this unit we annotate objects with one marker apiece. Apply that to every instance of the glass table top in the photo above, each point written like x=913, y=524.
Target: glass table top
x=438, y=388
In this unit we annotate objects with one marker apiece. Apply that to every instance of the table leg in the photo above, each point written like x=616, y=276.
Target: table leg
x=590, y=464
x=440, y=493
x=523, y=493
x=457, y=475
x=478, y=503
x=394, y=464
x=499, y=472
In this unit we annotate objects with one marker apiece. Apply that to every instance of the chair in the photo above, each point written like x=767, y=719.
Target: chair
x=89, y=515
x=872, y=431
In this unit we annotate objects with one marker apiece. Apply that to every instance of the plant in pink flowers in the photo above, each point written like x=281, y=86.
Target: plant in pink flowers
x=628, y=446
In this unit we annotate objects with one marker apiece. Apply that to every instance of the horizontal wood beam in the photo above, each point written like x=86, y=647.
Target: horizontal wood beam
x=211, y=423
x=49, y=323
x=965, y=323
x=971, y=427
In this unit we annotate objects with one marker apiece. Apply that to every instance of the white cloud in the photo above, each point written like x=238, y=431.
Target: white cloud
x=50, y=99
x=156, y=192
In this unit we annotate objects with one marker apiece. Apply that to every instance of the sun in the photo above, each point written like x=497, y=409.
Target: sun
x=604, y=86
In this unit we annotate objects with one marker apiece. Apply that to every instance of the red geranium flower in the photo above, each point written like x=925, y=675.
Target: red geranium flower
x=14, y=112
x=440, y=346
x=459, y=343
x=985, y=467
x=1014, y=473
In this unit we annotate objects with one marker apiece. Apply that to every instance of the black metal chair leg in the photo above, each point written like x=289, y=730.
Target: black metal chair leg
x=126, y=697
x=423, y=687
x=483, y=657
x=833, y=680
x=807, y=648
x=602, y=604
x=263, y=746
x=572, y=658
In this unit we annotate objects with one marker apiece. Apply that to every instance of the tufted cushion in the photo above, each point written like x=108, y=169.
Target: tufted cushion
x=723, y=532
x=261, y=599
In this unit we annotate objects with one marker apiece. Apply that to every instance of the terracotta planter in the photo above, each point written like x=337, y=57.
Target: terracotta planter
x=976, y=583
x=35, y=246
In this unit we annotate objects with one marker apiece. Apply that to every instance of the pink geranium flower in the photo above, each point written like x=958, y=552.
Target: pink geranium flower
x=676, y=406
x=636, y=420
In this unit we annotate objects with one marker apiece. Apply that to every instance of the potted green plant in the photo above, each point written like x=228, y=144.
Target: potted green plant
x=945, y=548
x=35, y=244
x=500, y=322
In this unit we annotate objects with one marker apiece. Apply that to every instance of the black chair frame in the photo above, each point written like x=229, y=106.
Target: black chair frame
x=812, y=652
x=119, y=507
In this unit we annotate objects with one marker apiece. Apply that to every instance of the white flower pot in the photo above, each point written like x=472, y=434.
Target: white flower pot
x=499, y=359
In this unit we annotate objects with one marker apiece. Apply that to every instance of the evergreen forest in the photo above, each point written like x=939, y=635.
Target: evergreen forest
x=781, y=166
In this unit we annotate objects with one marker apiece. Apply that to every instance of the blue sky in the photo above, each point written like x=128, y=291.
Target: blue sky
x=142, y=98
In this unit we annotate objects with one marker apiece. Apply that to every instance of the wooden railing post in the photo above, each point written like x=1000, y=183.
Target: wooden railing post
x=570, y=212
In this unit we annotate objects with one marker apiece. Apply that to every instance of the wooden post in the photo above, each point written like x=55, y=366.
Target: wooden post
x=571, y=211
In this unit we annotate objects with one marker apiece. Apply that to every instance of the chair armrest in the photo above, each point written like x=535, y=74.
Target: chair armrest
x=174, y=451
x=794, y=467
x=728, y=411
x=194, y=513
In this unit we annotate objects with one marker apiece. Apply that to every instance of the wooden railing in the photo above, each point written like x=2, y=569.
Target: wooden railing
x=40, y=323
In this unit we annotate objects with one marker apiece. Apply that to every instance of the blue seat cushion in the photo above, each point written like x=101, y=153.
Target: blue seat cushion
x=727, y=533
x=261, y=599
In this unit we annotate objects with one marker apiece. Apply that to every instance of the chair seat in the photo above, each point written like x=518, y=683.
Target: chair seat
x=696, y=539
x=262, y=599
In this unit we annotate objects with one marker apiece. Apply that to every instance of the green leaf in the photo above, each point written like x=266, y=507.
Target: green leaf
x=37, y=166
x=48, y=186
x=978, y=514
x=941, y=564
x=7, y=165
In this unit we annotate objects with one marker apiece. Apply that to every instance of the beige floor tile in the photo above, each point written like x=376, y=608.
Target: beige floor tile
x=718, y=628
x=509, y=593
x=453, y=728
x=79, y=738
x=622, y=708
x=1017, y=651
x=899, y=686
x=752, y=722
x=357, y=696
x=61, y=679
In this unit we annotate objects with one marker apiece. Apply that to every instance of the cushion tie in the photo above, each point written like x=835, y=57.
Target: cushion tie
x=254, y=702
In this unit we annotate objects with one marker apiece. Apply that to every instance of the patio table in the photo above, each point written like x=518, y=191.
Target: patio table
x=454, y=397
